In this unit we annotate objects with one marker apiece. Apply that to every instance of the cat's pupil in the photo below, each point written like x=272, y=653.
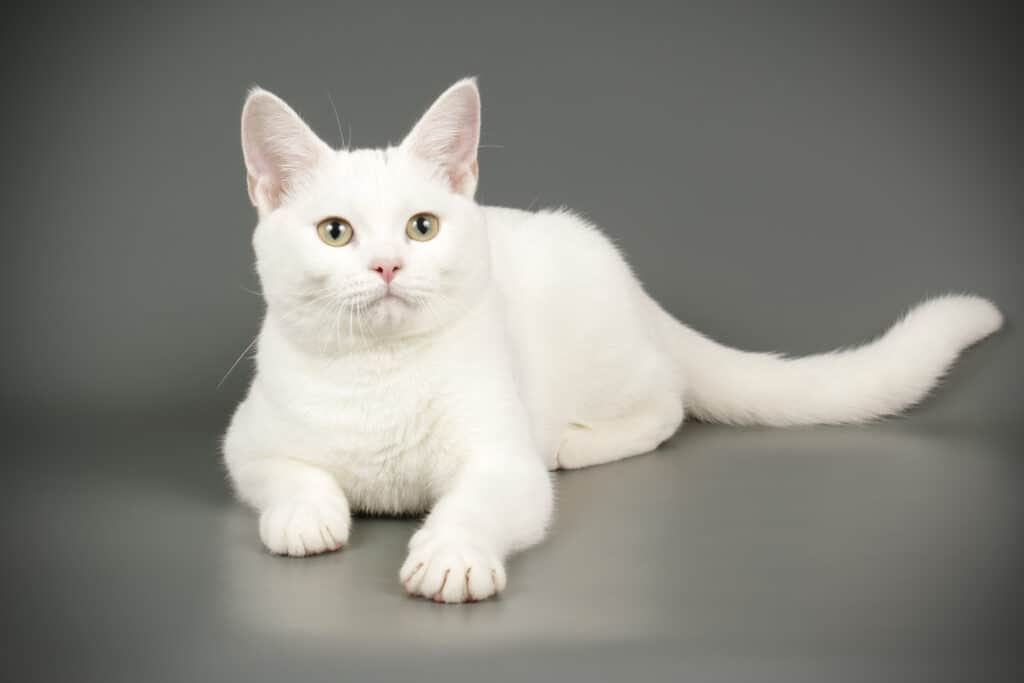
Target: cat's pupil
x=335, y=231
x=423, y=225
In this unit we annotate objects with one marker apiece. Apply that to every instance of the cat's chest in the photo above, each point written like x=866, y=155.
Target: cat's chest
x=374, y=415
x=383, y=430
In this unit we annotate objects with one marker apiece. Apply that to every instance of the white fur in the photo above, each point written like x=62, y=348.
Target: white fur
x=513, y=343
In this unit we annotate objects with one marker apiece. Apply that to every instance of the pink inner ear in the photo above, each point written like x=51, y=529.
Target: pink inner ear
x=264, y=185
x=447, y=136
x=250, y=185
x=278, y=148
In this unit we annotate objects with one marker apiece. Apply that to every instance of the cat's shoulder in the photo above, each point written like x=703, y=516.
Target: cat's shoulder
x=504, y=219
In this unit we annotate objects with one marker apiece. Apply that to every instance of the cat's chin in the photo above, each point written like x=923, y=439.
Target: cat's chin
x=389, y=304
x=390, y=314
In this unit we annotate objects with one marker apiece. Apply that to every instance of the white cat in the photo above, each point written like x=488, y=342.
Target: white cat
x=423, y=353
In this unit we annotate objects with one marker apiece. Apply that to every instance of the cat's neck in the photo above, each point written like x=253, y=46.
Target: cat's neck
x=281, y=340
x=283, y=348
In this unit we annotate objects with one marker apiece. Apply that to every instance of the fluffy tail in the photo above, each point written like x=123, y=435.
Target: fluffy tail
x=883, y=377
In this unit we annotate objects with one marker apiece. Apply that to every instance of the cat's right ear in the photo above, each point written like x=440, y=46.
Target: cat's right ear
x=279, y=148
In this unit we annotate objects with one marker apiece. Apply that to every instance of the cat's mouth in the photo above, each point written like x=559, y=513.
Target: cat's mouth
x=389, y=296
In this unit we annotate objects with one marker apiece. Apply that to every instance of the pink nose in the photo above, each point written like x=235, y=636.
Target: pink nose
x=386, y=268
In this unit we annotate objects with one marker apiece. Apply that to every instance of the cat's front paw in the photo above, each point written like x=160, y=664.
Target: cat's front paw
x=300, y=528
x=446, y=567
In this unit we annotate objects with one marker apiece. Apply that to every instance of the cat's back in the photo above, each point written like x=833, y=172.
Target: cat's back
x=535, y=251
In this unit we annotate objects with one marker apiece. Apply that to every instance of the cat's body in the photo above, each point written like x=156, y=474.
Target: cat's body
x=399, y=376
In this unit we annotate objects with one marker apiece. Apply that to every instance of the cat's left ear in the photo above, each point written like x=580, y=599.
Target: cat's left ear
x=447, y=136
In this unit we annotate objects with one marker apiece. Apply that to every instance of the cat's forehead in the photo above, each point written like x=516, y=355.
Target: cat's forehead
x=372, y=173
x=369, y=186
x=356, y=162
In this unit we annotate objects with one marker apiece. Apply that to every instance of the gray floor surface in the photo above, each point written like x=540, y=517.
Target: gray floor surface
x=888, y=552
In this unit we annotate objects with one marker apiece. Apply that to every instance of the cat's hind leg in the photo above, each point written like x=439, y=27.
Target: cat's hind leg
x=639, y=430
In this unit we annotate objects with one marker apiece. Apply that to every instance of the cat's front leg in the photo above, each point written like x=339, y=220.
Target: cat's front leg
x=500, y=502
x=302, y=509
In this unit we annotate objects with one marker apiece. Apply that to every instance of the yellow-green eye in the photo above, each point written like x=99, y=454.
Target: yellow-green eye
x=334, y=232
x=423, y=227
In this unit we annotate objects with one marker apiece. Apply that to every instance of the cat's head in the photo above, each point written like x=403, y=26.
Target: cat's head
x=376, y=243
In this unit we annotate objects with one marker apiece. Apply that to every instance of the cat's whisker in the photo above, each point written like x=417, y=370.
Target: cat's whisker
x=319, y=297
x=292, y=316
x=362, y=323
x=336, y=118
x=427, y=303
x=337, y=326
x=362, y=335
x=350, y=312
x=237, y=361
x=327, y=330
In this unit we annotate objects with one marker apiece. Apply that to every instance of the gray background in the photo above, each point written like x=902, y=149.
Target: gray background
x=783, y=176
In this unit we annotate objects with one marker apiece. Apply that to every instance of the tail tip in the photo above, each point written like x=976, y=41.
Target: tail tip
x=975, y=317
x=985, y=316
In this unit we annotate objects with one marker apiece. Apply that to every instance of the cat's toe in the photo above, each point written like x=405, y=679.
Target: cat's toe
x=451, y=571
x=305, y=528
